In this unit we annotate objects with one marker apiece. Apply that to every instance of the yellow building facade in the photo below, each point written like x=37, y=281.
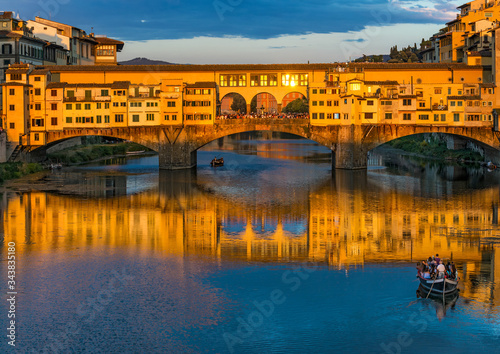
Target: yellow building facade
x=339, y=94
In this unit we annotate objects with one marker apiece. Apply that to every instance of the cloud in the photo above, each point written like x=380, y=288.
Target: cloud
x=256, y=19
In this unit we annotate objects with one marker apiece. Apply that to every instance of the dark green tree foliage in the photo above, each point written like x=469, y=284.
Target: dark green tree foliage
x=298, y=105
x=253, y=105
x=239, y=104
x=405, y=55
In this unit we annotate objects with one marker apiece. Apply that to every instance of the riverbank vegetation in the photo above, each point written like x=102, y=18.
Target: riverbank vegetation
x=86, y=153
x=435, y=149
x=12, y=170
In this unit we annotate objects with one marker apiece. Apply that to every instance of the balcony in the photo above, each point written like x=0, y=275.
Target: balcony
x=439, y=107
x=332, y=83
x=88, y=99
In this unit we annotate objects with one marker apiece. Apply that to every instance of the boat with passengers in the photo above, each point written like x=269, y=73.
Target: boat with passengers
x=437, y=278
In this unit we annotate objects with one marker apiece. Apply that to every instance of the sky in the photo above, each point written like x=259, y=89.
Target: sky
x=248, y=32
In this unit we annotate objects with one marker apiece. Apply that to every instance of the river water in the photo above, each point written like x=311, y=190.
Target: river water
x=272, y=252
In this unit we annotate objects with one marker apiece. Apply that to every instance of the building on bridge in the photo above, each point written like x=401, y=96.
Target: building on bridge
x=47, y=103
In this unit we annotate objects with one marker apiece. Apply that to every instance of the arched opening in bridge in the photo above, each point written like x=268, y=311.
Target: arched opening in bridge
x=264, y=103
x=87, y=148
x=232, y=104
x=294, y=102
x=264, y=145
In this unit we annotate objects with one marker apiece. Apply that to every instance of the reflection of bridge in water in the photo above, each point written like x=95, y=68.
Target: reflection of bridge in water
x=339, y=223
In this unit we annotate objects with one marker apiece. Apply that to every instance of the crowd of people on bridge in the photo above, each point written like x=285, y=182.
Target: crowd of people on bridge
x=435, y=268
x=265, y=116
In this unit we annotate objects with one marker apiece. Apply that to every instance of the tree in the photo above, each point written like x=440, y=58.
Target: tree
x=239, y=104
x=253, y=105
x=298, y=105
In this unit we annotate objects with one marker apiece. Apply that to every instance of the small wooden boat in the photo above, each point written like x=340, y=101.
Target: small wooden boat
x=438, y=286
x=55, y=166
x=217, y=162
x=134, y=152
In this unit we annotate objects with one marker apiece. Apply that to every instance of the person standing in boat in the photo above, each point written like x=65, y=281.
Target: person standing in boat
x=441, y=269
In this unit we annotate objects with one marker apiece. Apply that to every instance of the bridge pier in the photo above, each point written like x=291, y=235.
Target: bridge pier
x=349, y=153
x=349, y=156
x=176, y=156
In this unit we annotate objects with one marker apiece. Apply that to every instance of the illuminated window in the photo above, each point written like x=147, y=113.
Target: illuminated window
x=355, y=86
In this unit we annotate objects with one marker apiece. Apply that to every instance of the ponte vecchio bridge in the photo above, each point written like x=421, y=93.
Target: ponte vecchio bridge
x=175, y=109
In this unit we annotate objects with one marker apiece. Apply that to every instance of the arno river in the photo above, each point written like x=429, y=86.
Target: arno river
x=272, y=252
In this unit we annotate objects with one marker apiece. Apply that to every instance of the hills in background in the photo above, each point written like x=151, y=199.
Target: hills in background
x=144, y=61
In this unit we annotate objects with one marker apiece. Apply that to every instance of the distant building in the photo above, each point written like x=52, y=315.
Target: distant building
x=80, y=46
x=106, y=49
x=18, y=44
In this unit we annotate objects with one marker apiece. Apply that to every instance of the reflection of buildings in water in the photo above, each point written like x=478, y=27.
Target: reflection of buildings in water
x=340, y=223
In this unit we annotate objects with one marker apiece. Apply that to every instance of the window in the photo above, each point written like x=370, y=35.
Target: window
x=12, y=126
x=460, y=103
x=135, y=118
x=106, y=119
x=456, y=117
x=115, y=104
x=53, y=93
x=321, y=103
x=78, y=106
x=16, y=77
x=437, y=91
x=53, y=106
x=406, y=116
x=436, y=117
x=233, y=80
x=407, y=102
x=421, y=104
x=314, y=103
x=321, y=116
x=368, y=115
x=69, y=106
x=123, y=104
x=70, y=93
x=38, y=106
x=37, y=122
x=166, y=117
x=264, y=80
x=88, y=94
x=119, y=118
x=53, y=121
x=336, y=103
x=355, y=86
x=12, y=107
x=336, y=116
x=315, y=116
x=98, y=105
x=423, y=117
x=171, y=104
x=346, y=115
x=12, y=92
x=38, y=92
x=452, y=103
x=37, y=136
x=369, y=103
x=104, y=93
x=315, y=91
x=69, y=120
x=174, y=116
x=98, y=119
x=294, y=80
x=388, y=115
x=87, y=106
x=329, y=103
x=38, y=78
x=443, y=117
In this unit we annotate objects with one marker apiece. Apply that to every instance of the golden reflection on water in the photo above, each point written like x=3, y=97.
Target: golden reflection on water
x=346, y=222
